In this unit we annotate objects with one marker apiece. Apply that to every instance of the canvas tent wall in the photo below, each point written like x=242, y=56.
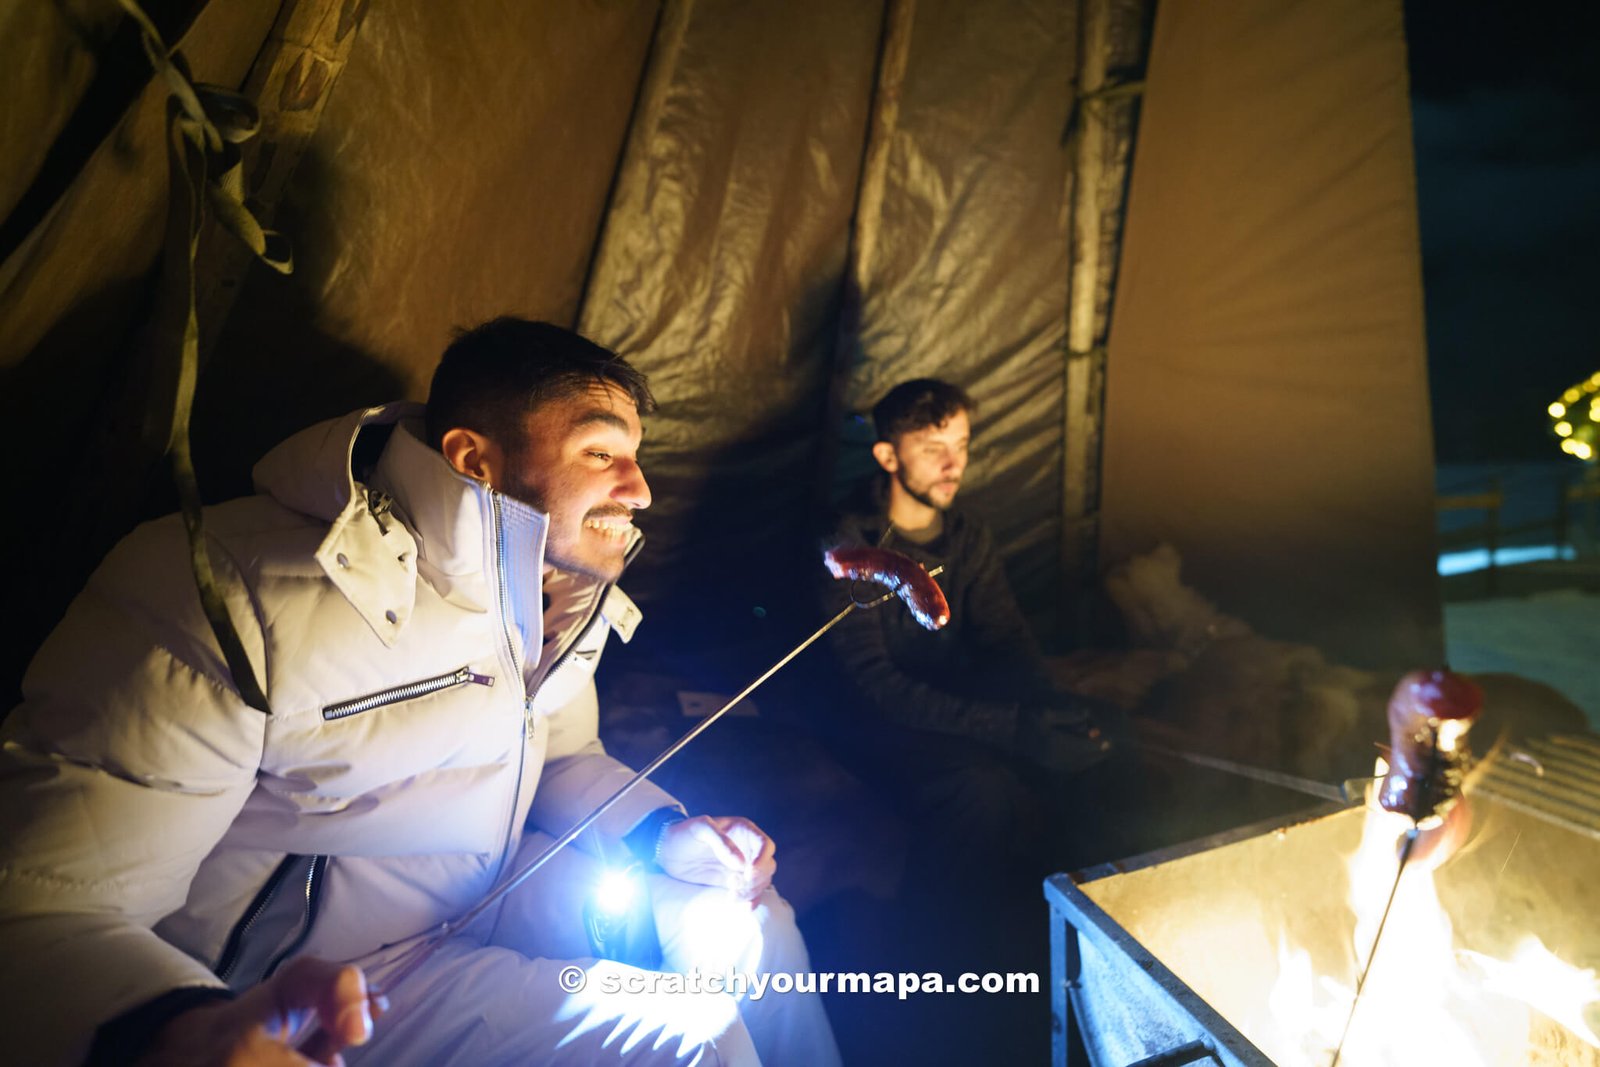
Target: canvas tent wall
x=777, y=211
x=1267, y=406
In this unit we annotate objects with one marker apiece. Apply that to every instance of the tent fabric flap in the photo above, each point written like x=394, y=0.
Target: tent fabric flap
x=1267, y=408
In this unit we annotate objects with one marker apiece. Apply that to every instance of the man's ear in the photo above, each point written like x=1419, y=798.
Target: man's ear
x=883, y=452
x=470, y=453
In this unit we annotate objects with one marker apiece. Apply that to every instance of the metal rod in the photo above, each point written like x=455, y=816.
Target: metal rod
x=419, y=953
x=1575, y=814
x=1555, y=755
x=1405, y=856
x=1538, y=808
x=1577, y=741
x=1293, y=782
x=1417, y=815
x=1192, y=1052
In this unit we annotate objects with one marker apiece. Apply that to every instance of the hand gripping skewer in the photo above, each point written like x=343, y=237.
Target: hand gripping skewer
x=418, y=954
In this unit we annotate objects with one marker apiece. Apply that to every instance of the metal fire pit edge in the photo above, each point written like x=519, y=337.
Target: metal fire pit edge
x=1132, y=1011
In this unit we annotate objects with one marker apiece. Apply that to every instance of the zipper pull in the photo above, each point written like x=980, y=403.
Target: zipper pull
x=527, y=717
x=379, y=504
x=467, y=674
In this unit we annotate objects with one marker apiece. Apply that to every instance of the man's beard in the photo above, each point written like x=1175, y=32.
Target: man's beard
x=924, y=498
x=528, y=494
x=605, y=570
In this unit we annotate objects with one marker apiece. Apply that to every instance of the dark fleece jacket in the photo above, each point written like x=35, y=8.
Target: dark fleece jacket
x=975, y=677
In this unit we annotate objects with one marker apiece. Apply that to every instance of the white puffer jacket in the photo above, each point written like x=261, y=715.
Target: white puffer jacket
x=420, y=716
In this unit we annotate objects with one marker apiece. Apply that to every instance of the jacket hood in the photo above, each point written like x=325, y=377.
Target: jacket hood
x=369, y=557
x=312, y=471
x=447, y=525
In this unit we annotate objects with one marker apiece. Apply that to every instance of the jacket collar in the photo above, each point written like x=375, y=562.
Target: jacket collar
x=447, y=536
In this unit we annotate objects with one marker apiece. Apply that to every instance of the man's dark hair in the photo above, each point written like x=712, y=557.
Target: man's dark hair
x=916, y=405
x=494, y=374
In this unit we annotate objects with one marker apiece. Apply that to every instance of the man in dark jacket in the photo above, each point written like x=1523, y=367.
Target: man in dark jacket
x=954, y=723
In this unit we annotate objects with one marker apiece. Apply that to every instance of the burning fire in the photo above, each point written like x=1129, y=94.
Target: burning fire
x=1426, y=999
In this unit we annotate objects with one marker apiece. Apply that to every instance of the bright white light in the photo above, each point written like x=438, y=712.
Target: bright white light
x=718, y=931
x=614, y=894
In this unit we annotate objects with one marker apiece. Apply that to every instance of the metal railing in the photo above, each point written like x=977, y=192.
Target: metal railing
x=1571, y=525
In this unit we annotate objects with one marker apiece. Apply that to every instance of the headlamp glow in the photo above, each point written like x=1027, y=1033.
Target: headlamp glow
x=619, y=918
x=616, y=891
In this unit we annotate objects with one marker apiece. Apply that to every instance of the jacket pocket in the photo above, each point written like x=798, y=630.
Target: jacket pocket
x=411, y=691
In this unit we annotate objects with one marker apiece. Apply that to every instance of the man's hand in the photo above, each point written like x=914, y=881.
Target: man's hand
x=1065, y=738
x=719, y=850
x=256, y=1028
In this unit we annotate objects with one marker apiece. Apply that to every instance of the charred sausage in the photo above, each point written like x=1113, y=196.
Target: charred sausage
x=898, y=573
x=1430, y=713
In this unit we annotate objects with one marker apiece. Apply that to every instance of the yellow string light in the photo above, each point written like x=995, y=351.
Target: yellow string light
x=1576, y=424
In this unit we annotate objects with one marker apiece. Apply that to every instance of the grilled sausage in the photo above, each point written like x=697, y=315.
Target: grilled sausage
x=898, y=573
x=1430, y=713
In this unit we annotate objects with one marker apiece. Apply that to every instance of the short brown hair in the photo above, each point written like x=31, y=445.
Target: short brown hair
x=493, y=374
x=916, y=405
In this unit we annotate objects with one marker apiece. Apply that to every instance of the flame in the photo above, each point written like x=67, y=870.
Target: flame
x=1426, y=999
x=1537, y=977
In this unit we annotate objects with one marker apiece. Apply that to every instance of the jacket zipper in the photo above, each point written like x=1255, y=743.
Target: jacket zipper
x=234, y=945
x=588, y=623
x=319, y=864
x=313, y=894
x=527, y=697
x=345, y=708
x=501, y=594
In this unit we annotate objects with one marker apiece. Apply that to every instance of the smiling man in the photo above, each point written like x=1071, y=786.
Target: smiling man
x=424, y=595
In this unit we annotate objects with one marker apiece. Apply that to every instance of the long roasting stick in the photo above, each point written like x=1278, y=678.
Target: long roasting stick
x=1372, y=953
x=1293, y=782
x=1405, y=856
x=419, y=953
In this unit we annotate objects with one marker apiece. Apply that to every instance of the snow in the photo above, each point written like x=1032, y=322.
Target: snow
x=1551, y=637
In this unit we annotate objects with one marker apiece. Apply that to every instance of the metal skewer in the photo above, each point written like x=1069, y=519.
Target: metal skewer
x=1405, y=856
x=1293, y=782
x=419, y=953
x=1394, y=890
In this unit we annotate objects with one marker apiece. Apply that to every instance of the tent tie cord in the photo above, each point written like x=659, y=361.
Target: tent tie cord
x=205, y=126
x=1092, y=103
x=1113, y=90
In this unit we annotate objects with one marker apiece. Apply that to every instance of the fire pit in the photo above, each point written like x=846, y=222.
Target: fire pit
x=1245, y=948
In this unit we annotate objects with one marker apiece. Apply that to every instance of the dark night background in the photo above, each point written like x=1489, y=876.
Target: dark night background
x=1506, y=104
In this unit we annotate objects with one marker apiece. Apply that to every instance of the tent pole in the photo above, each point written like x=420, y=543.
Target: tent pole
x=894, y=45
x=1101, y=142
